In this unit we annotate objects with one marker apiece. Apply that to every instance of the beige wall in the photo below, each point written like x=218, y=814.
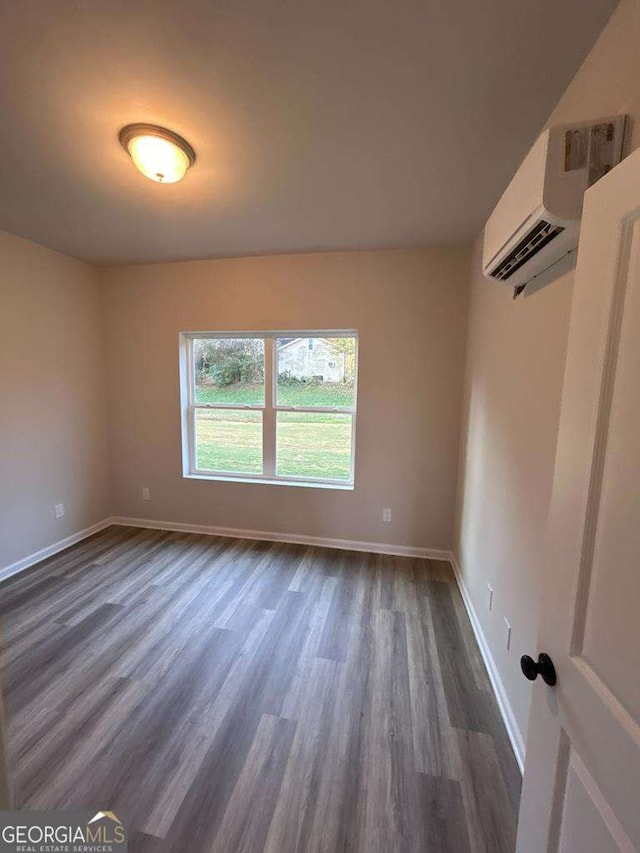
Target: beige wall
x=513, y=382
x=52, y=428
x=410, y=310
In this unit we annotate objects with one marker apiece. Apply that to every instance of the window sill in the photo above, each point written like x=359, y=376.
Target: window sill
x=305, y=484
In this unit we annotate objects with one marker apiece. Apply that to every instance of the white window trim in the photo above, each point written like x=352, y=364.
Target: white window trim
x=269, y=411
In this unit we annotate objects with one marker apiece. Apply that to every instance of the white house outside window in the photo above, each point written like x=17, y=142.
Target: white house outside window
x=275, y=407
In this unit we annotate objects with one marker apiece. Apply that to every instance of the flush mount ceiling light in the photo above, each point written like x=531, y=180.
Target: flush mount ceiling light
x=160, y=154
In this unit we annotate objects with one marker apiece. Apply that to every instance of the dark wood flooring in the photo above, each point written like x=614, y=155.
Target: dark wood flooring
x=232, y=695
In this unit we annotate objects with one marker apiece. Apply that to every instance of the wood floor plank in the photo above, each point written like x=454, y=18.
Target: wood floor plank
x=466, y=703
x=308, y=652
x=292, y=825
x=141, y=842
x=490, y=820
x=248, y=815
x=335, y=638
x=390, y=812
x=206, y=727
x=53, y=773
x=340, y=792
x=444, y=825
x=231, y=695
x=434, y=748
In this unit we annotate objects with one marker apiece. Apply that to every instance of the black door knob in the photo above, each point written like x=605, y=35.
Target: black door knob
x=531, y=669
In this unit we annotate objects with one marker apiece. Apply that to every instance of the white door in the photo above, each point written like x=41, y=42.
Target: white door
x=581, y=787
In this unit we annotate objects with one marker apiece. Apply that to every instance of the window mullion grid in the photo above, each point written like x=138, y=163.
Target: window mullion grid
x=269, y=413
x=191, y=408
x=325, y=410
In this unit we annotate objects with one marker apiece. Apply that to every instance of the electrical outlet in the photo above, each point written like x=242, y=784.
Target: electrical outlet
x=506, y=622
x=58, y=510
x=146, y=493
x=386, y=514
x=489, y=597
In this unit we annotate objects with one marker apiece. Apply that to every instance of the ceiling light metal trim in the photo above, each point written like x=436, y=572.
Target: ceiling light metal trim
x=131, y=131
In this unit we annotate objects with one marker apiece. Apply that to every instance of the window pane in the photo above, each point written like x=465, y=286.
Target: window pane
x=229, y=370
x=229, y=440
x=313, y=444
x=316, y=371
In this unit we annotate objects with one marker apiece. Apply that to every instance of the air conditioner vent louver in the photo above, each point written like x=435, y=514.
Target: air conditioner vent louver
x=536, y=238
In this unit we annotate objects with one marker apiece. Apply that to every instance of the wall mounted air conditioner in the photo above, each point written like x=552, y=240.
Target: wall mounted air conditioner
x=537, y=220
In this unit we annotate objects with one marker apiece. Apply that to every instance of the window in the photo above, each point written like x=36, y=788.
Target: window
x=275, y=407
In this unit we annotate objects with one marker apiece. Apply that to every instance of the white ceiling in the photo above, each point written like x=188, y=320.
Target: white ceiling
x=318, y=124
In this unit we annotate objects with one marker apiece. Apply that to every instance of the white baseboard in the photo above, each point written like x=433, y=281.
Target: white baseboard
x=50, y=550
x=508, y=717
x=293, y=538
